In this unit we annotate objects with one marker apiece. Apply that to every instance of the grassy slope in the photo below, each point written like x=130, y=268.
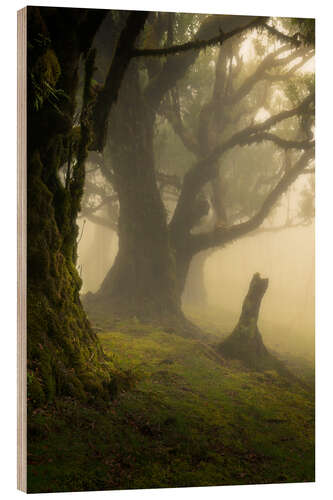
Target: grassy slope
x=190, y=419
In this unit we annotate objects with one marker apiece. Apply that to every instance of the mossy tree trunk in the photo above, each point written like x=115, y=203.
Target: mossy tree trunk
x=245, y=342
x=64, y=354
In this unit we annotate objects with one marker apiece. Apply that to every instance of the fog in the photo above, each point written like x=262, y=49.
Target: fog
x=97, y=250
x=213, y=102
x=286, y=257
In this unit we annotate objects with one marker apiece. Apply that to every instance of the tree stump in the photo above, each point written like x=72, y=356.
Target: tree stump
x=245, y=342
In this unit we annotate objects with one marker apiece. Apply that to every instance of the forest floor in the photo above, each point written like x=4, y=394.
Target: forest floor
x=190, y=418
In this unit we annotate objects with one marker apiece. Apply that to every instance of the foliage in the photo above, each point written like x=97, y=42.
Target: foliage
x=44, y=74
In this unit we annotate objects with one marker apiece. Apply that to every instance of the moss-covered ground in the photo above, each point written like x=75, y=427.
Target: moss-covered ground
x=185, y=417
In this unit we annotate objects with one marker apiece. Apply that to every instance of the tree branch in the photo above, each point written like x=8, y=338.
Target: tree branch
x=276, y=229
x=249, y=134
x=222, y=236
x=108, y=95
x=282, y=143
x=175, y=68
x=197, y=44
x=271, y=61
x=293, y=40
x=205, y=170
x=175, y=120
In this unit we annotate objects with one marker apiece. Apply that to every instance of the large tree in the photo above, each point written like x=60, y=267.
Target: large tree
x=64, y=355
x=155, y=250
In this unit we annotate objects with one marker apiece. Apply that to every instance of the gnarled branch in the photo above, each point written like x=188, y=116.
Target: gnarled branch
x=221, y=236
x=198, y=44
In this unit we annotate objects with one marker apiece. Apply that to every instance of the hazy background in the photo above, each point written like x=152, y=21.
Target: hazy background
x=286, y=257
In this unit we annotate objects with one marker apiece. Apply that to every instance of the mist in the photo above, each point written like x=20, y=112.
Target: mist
x=170, y=249
x=286, y=258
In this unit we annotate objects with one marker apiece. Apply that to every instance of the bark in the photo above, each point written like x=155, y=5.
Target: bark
x=64, y=354
x=245, y=342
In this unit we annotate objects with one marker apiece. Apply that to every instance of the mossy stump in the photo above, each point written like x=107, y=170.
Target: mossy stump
x=245, y=342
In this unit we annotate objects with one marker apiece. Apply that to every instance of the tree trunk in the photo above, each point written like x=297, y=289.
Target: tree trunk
x=142, y=282
x=195, y=294
x=245, y=342
x=64, y=355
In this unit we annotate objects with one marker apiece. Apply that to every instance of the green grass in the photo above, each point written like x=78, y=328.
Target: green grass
x=190, y=419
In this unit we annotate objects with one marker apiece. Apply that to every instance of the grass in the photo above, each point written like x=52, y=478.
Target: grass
x=191, y=419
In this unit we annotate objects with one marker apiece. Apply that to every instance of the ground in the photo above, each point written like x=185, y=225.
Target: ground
x=183, y=417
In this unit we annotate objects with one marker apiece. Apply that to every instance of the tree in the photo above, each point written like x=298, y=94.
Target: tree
x=64, y=355
x=237, y=189
x=155, y=250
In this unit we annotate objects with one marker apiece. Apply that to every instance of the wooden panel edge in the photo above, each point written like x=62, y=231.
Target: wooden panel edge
x=21, y=249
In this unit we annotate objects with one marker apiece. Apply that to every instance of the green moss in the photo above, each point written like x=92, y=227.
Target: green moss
x=64, y=355
x=47, y=68
x=35, y=391
x=187, y=419
x=44, y=75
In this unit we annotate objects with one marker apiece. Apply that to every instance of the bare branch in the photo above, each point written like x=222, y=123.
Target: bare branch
x=221, y=236
x=292, y=71
x=272, y=61
x=249, y=134
x=204, y=170
x=282, y=143
x=276, y=229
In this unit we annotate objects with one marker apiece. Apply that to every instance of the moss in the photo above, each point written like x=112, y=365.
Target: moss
x=190, y=420
x=65, y=358
x=35, y=391
x=47, y=67
x=44, y=75
x=64, y=355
